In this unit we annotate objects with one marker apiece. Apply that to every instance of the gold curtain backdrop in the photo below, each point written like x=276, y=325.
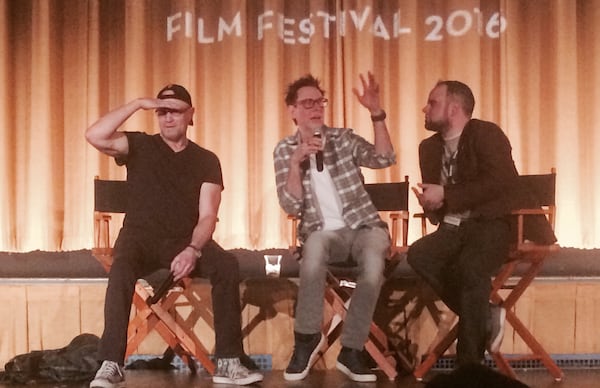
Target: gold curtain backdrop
x=534, y=67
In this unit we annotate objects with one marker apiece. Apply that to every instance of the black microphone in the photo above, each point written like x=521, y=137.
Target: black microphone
x=319, y=155
x=162, y=290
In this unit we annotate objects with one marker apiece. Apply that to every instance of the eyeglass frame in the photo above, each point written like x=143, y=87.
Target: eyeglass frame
x=312, y=102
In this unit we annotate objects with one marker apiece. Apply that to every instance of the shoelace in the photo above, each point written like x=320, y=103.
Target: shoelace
x=110, y=369
x=234, y=369
x=238, y=371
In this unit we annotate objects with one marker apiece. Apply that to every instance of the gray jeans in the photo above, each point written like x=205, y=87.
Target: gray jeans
x=368, y=248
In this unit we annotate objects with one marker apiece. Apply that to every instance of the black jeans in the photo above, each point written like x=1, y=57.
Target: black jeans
x=135, y=258
x=458, y=263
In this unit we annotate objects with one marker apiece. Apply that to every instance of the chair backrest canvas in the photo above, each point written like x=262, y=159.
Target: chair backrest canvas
x=110, y=196
x=541, y=186
x=538, y=191
x=389, y=196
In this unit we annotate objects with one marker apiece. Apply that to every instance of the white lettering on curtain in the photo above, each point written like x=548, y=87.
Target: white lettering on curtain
x=68, y=63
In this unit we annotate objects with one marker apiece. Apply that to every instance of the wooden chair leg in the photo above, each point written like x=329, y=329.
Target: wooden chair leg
x=431, y=358
x=538, y=351
x=183, y=341
x=445, y=324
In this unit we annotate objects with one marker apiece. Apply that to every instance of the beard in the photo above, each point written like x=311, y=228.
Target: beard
x=436, y=126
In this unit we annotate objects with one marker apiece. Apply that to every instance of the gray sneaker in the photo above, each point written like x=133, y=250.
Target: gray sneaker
x=231, y=371
x=496, y=328
x=110, y=375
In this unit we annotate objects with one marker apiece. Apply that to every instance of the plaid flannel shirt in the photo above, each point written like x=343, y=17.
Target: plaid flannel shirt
x=344, y=153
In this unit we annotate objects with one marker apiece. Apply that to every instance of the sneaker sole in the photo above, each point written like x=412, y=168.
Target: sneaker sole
x=106, y=384
x=497, y=341
x=248, y=380
x=311, y=360
x=358, y=378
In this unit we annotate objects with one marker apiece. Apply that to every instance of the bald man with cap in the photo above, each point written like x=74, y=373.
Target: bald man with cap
x=174, y=193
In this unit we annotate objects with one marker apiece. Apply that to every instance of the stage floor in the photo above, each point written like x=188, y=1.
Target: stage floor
x=574, y=378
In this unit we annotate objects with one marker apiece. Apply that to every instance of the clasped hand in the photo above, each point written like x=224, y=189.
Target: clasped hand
x=431, y=197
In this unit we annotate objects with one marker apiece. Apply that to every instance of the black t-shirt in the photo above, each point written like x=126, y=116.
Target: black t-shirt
x=164, y=186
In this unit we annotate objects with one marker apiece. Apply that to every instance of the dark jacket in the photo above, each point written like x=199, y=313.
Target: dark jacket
x=486, y=180
x=485, y=171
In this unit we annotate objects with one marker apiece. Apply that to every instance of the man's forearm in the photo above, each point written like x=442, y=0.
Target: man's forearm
x=203, y=232
x=293, y=183
x=103, y=133
x=383, y=143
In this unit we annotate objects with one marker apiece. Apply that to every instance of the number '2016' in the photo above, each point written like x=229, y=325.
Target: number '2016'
x=460, y=22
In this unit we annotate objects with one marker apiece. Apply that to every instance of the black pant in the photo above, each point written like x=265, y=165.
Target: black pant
x=458, y=263
x=135, y=258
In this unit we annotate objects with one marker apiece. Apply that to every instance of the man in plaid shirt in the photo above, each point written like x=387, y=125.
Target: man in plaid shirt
x=318, y=179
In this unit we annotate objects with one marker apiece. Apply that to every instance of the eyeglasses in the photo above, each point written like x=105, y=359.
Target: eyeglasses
x=174, y=112
x=309, y=102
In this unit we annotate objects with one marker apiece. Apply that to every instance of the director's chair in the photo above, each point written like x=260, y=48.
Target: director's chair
x=155, y=307
x=535, y=219
x=391, y=199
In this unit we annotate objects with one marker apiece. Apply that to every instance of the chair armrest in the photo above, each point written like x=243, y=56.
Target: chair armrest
x=526, y=212
x=523, y=245
x=293, y=233
x=395, y=218
x=423, y=222
x=102, y=230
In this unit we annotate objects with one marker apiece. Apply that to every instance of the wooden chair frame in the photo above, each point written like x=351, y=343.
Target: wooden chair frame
x=391, y=198
x=524, y=252
x=175, y=330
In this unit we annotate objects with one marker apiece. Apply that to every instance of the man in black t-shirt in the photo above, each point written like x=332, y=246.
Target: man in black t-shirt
x=174, y=192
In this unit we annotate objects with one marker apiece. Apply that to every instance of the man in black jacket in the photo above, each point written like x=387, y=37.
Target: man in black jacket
x=468, y=172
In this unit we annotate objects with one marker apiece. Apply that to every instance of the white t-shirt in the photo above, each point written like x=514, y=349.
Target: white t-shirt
x=327, y=197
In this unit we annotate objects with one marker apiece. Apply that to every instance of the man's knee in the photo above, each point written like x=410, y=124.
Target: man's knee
x=316, y=245
x=414, y=255
x=122, y=272
x=314, y=255
x=229, y=264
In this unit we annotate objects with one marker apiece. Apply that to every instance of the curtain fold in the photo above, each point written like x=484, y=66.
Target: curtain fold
x=534, y=68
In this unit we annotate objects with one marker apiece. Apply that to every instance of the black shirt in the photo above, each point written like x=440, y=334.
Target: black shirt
x=164, y=185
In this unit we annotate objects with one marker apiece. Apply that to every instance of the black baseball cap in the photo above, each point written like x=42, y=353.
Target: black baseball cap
x=175, y=91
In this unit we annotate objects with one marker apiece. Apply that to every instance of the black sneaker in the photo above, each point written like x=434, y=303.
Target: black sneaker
x=306, y=351
x=496, y=328
x=352, y=363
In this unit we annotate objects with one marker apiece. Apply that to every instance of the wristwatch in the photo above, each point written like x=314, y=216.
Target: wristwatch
x=197, y=252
